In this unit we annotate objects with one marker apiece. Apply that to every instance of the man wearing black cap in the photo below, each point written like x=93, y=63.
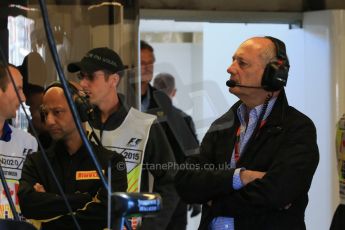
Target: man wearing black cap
x=133, y=133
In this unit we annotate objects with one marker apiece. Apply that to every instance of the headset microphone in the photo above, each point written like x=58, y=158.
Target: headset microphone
x=232, y=83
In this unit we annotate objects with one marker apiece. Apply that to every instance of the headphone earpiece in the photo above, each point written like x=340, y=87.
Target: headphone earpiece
x=84, y=108
x=42, y=114
x=276, y=72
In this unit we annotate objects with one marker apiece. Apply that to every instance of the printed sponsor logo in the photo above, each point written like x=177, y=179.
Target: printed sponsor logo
x=87, y=175
x=12, y=174
x=11, y=162
x=27, y=151
x=13, y=189
x=133, y=142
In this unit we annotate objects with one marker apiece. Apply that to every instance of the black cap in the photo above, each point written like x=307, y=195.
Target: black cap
x=98, y=59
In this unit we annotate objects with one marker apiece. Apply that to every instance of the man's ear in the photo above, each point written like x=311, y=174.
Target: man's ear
x=115, y=79
x=173, y=93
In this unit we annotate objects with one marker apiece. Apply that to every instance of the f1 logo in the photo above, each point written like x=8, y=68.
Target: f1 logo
x=133, y=142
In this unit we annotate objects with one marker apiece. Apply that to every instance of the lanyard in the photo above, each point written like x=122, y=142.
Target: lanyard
x=237, y=143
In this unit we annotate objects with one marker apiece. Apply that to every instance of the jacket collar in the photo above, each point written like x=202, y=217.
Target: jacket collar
x=273, y=126
x=114, y=120
x=277, y=114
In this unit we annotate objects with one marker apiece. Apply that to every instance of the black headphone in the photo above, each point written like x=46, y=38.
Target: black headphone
x=84, y=108
x=276, y=72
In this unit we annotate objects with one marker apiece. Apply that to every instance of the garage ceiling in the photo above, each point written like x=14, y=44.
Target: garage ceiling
x=225, y=5
x=245, y=11
x=244, y=5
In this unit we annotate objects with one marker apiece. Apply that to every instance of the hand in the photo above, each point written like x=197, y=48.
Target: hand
x=39, y=188
x=196, y=209
x=248, y=176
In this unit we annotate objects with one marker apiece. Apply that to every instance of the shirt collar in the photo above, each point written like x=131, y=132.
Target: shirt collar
x=114, y=120
x=255, y=112
x=61, y=148
x=6, y=132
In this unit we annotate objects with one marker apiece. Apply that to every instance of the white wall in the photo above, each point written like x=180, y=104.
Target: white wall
x=324, y=70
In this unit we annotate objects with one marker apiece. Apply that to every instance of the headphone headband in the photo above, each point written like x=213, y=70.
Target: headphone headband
x=280, y=50
x=58, y=84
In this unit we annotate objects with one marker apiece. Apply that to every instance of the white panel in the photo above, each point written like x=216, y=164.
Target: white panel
x=183, y=61
x=337, y=31
x=319, y=95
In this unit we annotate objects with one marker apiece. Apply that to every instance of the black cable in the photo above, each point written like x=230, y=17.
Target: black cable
x=8, y=195
x=39, y=145
x=262, y=114
x=94, y=136
x=52, y=47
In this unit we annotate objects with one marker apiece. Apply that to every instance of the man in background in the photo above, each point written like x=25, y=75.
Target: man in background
x=181, y=136
x=166, y=83
x=34, y=97
x=184, y=140
x=34, y=72
x=15, y=144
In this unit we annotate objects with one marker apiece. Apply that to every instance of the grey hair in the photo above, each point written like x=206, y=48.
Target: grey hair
x=164, y=82
x=269, y=53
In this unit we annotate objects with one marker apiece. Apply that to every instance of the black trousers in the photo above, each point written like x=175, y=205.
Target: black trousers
x=179, y=219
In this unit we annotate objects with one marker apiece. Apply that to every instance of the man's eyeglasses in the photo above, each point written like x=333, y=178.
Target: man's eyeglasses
x=90, y=77
x=86, y=76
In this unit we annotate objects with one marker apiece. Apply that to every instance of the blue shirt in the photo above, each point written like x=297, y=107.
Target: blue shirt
x=6, y=132
x=145, y=101
x=246, y=131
